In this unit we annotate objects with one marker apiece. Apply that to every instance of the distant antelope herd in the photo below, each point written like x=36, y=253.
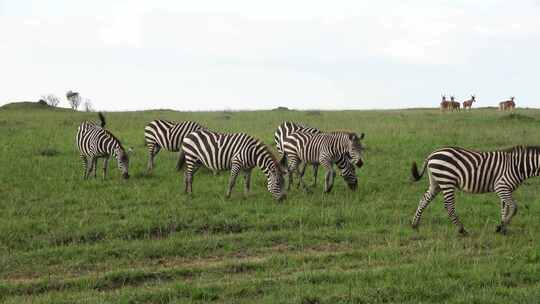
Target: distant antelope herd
x=453, y=105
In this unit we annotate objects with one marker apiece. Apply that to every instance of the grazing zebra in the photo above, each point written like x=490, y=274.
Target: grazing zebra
x=93, y=142
x=468, y=103
x=237, y=152
x=477, y=172
x=284, y=130
x=325, y=149
x=168, y=135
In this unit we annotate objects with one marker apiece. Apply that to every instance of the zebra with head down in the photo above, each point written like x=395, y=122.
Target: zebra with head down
x=237, y=152
x=325, y=149
x=93, y=142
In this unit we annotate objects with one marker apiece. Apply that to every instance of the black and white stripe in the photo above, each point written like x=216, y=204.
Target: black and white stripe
x=94, y=142
x=163, y=134
x=236, y=152
x=477, y=172
x=325, y=149
x=284, y=130
x=289, y=127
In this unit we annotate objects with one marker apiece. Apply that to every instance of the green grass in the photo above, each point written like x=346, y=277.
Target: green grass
x=65, y=240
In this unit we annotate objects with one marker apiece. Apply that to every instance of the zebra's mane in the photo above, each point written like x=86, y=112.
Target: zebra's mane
x=302, y=125
x=113, y=137
x=348, y=132
x=521, y=148
x=272, y=156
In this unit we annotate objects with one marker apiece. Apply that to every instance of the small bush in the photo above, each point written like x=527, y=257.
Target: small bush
x=314, y=113
x=42, y=102
x=281, y=109
x=48, y=152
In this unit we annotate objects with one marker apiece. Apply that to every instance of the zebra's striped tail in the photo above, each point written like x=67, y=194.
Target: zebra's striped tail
x=102, y=119
x=414, y=171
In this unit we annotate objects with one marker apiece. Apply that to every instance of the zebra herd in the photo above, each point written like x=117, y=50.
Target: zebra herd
x=298, y=145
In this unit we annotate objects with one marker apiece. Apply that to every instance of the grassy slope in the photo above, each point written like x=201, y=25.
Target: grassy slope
x=65, y=240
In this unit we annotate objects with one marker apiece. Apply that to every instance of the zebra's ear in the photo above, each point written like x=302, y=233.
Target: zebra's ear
x=353, y=136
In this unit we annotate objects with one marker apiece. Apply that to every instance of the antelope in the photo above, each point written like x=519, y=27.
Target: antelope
x=507, y=104
x=445, y=104
x=454, y=105
x=468, y=103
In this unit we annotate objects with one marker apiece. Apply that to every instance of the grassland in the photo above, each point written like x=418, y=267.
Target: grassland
x=65, y=240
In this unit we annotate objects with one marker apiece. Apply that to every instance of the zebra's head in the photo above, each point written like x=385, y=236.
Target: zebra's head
x=348, y=172
x=355, y=149
x=276, y=183
x=274, y=174
x=123, y=160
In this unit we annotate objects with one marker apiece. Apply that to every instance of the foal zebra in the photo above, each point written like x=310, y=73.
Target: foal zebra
x=284, y=130
x=160, y=134
x=237, y=152
x=477, y=172
x=325, y=149
x=93, y=142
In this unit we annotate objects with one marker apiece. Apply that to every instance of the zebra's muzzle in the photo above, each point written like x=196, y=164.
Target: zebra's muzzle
x=353, y=185
x=125, y=175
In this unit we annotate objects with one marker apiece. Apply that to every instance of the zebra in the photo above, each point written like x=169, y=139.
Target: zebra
x=499, y=171
x=234, y=151
x=284, y=130
x=165, y=134
x=325, y=149
x=93, y=142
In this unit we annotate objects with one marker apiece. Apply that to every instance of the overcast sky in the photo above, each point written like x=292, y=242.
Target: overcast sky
x=235, y=54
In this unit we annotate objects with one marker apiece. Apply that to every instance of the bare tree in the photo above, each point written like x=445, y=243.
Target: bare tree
x=51, y=100
x=74, y=99
x=88, y=107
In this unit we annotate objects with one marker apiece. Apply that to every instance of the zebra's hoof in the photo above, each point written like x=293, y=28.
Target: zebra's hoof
x=501, y=229
x=415, y=227
x=463, y=232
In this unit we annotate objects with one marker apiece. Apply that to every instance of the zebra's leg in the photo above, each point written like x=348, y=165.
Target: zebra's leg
x=85, y=164
x=329, y=177
x=95, y=166
x=235, y=169
x=181, y=160
x=315, y=172
x=191, y=168
x=301, y=172
x=449, y=204
x=428, y=196
x=105, y=166
x=247, y=181
x=508, y=208
x=89, y=166
x=152, y=152
x=293, y=166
